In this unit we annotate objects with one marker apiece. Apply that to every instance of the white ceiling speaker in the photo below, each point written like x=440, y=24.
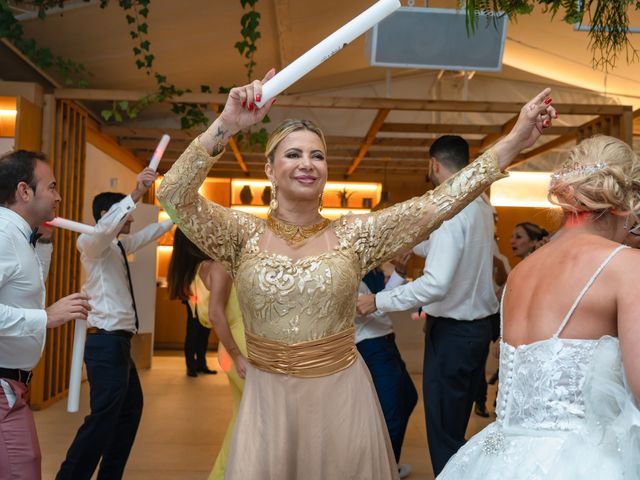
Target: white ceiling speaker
x=436, y=38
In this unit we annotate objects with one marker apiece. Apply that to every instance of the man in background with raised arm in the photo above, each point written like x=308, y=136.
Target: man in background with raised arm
x=108, y=432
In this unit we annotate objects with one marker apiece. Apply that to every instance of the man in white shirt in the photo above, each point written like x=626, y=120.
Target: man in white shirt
x=456, y=293
x=109, y=431
x=28, y=198
x=376, y=344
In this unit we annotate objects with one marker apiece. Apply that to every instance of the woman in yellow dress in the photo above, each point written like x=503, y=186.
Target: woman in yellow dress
x=225, y=316
x=309, y=409
x=211, y=297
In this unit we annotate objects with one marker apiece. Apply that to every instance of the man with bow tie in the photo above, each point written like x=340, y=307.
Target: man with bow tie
x=28, y=198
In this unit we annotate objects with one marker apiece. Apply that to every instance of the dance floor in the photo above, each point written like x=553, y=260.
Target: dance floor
x=184, y=422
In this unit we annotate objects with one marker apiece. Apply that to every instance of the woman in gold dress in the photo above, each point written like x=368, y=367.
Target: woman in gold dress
x=309, y=409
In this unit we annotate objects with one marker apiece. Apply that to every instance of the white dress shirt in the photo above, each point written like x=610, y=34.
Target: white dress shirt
x=107, y=284
x=458, y=274
x=376, y=324
x=23, y=269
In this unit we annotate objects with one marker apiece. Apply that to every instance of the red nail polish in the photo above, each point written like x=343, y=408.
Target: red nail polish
x=546, y=123
x=548, y=100
x=244, y=104
x=251, y=107
x=258, y=97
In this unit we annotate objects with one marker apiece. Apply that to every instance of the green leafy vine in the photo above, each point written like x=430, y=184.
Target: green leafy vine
x=136, y=14
x=72, y=73
x=608, y=22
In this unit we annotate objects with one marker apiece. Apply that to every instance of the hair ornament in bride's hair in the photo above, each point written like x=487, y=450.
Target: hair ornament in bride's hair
x=577, y=170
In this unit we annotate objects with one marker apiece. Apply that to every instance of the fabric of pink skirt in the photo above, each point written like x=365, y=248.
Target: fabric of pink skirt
x=325, y=428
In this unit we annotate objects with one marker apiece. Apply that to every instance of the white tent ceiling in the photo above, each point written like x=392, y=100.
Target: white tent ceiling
x=193, y=45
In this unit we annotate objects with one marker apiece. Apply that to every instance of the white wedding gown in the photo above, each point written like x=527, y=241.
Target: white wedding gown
x=564, y=412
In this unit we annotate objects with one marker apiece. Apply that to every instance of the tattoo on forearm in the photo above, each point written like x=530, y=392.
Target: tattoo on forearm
x=219, y=134
x=219, y=139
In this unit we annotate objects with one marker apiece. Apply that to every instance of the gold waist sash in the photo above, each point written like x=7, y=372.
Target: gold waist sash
x=316, y=358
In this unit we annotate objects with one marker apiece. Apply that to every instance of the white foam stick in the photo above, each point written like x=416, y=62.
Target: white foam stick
x=159, y=152
x=327, y=48
x=73, y=226
x=77, y=356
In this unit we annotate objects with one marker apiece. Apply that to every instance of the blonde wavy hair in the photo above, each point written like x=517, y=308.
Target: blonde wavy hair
x=601, y=173
x=287, y=127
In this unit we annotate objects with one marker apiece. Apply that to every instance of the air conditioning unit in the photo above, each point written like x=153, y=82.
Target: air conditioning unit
x=437, y=38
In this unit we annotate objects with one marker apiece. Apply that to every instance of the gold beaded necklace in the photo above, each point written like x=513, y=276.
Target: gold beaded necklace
x=295, y=234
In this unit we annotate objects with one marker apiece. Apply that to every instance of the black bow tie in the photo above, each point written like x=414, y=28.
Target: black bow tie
x=33, y=238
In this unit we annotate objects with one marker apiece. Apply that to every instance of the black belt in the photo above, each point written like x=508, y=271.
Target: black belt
x=23, y=376
x=118, y=333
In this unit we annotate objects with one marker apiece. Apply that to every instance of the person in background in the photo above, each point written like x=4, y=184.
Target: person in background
x=226, y=318
x=210, y=296
x=526, y=238
x=28, y=198
x=456, y=293
x=108, y=432
x=186, y=266
x=376, y=343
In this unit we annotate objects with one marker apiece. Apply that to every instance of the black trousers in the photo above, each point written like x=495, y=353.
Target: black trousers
x=395, y=389
x=196, y=342
x=454, y=356
x=108, y=432
x=481, y=396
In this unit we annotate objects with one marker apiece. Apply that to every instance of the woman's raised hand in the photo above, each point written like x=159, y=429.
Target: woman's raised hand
x=241, y=111
x=534, y=117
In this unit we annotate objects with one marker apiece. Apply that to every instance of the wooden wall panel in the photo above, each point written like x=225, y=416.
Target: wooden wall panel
x=68, y=155
x=28, y=125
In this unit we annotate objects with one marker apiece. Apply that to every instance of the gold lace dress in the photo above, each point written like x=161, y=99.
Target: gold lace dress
x=309, y=410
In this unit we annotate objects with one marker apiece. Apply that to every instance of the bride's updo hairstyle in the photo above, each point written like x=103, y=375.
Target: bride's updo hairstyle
x=602, y=173
x=287, y=127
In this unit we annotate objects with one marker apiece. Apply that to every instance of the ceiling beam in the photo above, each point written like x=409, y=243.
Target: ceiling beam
x=236, y=153
x=283, y=22
x=128, y=134
x=556, y=142
x=368, y=139
x=438, y=128
x=155, y=133
x=493, y=137
x=344, y=102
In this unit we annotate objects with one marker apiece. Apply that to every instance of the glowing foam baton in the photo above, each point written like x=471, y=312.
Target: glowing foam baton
x=159, y=152
x=327, y=48
x=73, y=226
x=75, y=375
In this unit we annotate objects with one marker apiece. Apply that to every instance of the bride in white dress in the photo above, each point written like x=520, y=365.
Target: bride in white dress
x=570, y=350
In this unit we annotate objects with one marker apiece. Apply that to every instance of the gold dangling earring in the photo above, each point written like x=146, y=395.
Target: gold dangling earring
x=273, y=204
x=320, y=202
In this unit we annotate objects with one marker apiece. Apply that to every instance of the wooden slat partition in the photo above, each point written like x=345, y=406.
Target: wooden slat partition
x=68, y=154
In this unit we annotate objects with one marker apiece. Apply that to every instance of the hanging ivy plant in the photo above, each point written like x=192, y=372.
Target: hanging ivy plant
x=72, y=73
x=608, y=22
x=136, y=15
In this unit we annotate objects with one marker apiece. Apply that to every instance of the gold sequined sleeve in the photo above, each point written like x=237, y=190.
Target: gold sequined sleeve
x=379, y=236
x=218, y=231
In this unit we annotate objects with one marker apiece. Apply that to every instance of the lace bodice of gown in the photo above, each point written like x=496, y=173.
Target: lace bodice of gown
x=543, y=384
x=315, y=296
